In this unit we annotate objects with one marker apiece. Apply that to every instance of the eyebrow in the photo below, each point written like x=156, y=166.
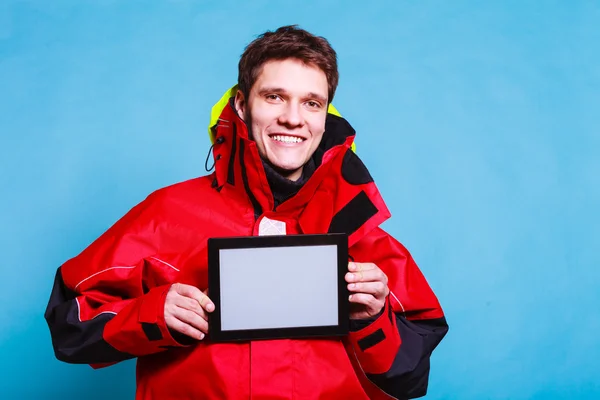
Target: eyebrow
x=278, y=90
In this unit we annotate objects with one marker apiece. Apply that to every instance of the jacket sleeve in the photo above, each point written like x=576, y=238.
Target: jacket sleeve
x=107, y=303
x=394, y=348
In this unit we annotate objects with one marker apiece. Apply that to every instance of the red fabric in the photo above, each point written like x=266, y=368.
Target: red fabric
x=124, y=332
x=410, y=293
x=163, y=240
x=378, y=358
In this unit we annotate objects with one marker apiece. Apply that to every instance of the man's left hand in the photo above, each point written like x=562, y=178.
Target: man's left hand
x=368, y=286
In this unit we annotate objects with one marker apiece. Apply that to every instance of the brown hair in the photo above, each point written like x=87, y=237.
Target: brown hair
x=287, y=42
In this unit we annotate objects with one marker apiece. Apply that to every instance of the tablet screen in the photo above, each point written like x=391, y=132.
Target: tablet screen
x=279, y=287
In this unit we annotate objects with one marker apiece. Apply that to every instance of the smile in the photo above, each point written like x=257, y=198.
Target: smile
x=287, y=139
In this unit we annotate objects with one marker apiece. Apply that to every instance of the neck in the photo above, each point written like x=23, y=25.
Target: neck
x=285, y=184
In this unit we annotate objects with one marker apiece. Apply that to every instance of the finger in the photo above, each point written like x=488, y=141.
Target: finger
x=184, y=328
x=371, y=304
x=377, y=289
x=364, y=299
x=190, y=304
x=356, y=266
x=195, y=293
x=371, y=275
x=187, y=290
x=206, y=303
x=355, y=276
x=191, y=318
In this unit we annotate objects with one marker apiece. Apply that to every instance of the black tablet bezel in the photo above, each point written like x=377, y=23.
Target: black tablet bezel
x=216, y=334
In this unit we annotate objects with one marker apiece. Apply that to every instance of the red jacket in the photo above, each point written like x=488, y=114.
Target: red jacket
x=107, y=304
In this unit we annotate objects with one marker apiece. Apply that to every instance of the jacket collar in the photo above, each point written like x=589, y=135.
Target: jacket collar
x=340, y=176
x=238, y=163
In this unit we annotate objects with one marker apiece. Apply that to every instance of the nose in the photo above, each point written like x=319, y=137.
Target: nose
x=292, y=116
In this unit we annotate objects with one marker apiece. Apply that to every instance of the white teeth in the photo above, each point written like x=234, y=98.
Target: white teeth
x=287, y=139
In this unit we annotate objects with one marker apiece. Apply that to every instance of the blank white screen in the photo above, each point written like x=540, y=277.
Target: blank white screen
x=278, y=287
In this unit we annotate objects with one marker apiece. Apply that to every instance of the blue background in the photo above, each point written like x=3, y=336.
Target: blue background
x=479, y=121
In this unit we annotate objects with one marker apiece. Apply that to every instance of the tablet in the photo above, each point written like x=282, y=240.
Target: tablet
x=275, y=287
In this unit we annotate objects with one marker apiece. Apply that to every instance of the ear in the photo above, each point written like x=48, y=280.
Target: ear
x=240, y=104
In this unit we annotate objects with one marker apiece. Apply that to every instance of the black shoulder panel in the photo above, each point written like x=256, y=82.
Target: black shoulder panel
x=353, y=215
x=354, y=171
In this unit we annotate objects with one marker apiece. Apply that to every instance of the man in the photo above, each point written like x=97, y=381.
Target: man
x=140, y=289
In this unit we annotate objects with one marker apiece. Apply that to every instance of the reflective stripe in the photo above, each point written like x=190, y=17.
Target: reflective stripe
x=164, y=262
x=399, y=302
x=104, y=270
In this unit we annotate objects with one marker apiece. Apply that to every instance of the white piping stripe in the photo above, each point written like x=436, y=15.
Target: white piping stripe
x=104, y=312
x=399, y=302
x=78, y=310
x=104, y=270
x=164, y=262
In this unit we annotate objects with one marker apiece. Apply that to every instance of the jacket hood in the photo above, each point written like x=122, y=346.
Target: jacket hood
x=339, y=197
x=219, y=106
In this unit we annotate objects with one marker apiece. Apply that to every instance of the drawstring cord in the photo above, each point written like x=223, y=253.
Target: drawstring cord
x=219, y=140
x=207, y=157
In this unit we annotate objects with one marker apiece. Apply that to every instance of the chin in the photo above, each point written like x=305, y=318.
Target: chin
x=287, y=163
x=286, y=168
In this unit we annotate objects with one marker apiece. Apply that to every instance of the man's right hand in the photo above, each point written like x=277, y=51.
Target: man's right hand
x=186, y=309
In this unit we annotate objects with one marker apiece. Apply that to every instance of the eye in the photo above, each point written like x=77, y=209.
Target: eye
x=273, y=97
x=313, y=104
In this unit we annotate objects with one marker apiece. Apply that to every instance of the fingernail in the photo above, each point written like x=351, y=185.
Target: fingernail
x=351, y=286
x=351, y=276
x=350, y=297
x=210, y=307
x=201, y=336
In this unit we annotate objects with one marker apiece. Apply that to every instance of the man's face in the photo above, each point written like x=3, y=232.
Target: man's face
x=285, y=113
